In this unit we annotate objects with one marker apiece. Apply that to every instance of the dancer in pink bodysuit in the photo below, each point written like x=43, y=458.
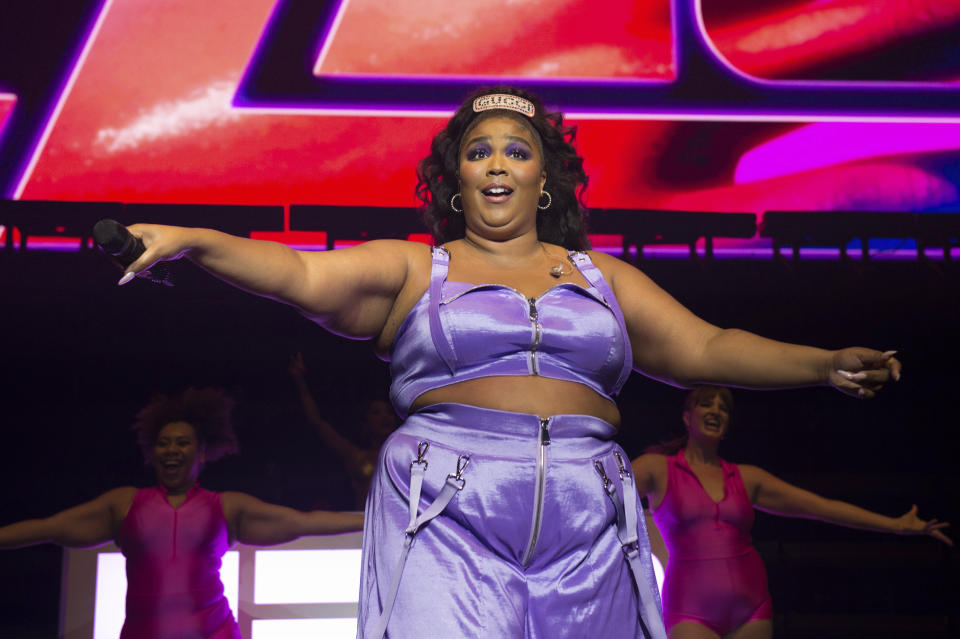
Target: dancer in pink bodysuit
x=715, y=583
x=709, y=543
x=173, y=535
x=173, y=566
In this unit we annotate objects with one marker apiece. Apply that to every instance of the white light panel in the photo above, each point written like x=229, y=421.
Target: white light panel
x=304, y=629
x=108, y=607
x=658, y=573
x=111, y=591
x=230, y=576
x=307, y=576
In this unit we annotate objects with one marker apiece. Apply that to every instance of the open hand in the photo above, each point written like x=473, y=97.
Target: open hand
x=910, y=524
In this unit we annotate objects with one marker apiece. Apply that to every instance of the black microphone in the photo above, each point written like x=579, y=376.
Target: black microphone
x=116, y=241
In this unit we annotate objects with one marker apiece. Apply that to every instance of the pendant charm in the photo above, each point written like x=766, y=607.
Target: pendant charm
x=557, y=271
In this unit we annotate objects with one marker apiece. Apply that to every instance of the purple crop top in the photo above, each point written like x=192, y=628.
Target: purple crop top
x=569, y=332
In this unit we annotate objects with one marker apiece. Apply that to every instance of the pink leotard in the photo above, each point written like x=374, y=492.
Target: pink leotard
x=714, y=576
x=173, y=567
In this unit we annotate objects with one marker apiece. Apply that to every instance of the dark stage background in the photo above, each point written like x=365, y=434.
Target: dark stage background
x=81, y=356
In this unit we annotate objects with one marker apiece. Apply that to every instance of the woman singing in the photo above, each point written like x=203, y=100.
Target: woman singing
x=501, y=505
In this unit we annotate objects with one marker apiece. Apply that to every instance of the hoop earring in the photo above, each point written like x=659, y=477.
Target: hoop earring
x=454, y=206
x=549, y=201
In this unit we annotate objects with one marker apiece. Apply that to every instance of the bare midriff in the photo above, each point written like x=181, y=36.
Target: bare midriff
x=530, y=394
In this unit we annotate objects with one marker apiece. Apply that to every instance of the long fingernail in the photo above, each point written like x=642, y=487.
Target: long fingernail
x=886, y=354
x=853, y=377
x=861, y=393
x=126, y=278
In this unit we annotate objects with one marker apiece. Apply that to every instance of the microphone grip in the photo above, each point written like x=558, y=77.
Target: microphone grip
x=114, y=239
x=124, y=247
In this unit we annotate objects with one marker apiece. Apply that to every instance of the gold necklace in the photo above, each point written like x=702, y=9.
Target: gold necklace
x=556, y=271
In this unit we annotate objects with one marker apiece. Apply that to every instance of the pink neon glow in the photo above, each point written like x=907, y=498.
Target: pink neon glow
x=501, y=38
x=825, y=144
x=7, y=102
x=876, y=184
x=791, y=40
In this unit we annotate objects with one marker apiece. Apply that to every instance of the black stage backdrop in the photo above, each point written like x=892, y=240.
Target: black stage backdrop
x=80, y=356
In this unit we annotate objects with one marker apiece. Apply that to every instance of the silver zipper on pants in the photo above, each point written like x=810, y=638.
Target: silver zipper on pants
x=543, y=440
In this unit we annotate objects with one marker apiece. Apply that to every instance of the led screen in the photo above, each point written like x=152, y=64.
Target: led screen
x=725, y=106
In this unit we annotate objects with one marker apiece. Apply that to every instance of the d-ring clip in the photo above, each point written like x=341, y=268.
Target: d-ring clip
x=462, y=462
x=624, y=473
x=603, y=474
x=422, y=448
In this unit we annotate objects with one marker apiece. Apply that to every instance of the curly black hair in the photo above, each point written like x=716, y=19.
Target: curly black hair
x=206, y=409
x=563, y=223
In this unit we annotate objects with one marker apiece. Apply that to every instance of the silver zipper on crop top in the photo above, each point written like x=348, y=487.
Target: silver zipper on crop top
x=591, y=291
x=537, y=336
x=532, y=312
x=543, y=440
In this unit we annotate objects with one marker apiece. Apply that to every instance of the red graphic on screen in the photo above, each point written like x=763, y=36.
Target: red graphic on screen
x=7, y=102
x=839, y=39
x=147, y=117
x=502, y=38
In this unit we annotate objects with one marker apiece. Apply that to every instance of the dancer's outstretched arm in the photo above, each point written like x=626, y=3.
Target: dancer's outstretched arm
x=773, y=495
x=252, y=521
x=340, y=444
x=89, y=524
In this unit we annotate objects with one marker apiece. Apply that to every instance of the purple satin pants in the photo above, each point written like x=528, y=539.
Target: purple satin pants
x=527, y=546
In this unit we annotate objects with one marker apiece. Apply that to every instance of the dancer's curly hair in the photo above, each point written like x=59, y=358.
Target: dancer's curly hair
x=563, y=223
x=206, y=409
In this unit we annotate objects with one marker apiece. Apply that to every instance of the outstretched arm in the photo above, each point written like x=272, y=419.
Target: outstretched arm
x=344, y=448
x=252, y=521
x=90, y=524
x=672, y=344
x=349, y=291
x=772, y=494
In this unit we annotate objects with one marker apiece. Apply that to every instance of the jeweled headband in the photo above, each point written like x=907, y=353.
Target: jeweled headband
x=504, y=101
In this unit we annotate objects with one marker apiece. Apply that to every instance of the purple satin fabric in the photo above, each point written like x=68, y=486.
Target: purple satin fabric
x=465, y=574
x=714, y=576
x=173, y=567
x=487, y=330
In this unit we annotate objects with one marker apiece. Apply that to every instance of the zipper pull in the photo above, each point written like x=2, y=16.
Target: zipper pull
x=545, y=431
x=533, y=308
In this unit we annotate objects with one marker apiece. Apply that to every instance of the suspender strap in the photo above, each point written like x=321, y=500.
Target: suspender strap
x=628, y=533
x=451, y=487
x=593, y=275
x=438, y=275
